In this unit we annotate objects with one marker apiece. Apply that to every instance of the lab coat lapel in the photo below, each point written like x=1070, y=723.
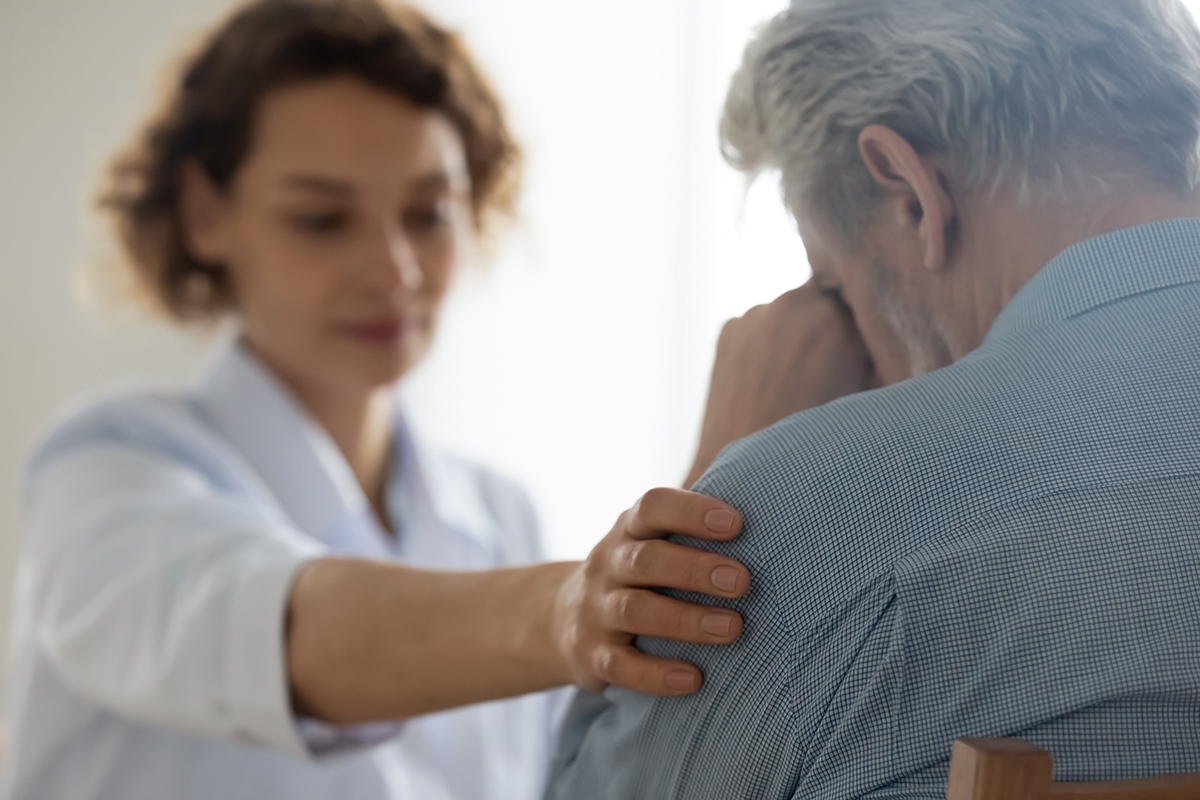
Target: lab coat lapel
x=443, y=518
x=293, y=455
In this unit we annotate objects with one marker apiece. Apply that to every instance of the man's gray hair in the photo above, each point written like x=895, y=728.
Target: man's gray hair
x=1035, y=91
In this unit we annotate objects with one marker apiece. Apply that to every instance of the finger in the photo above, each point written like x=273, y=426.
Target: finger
x=629, y=668
x=662, y=512
x=658, y=563
x=645, y=613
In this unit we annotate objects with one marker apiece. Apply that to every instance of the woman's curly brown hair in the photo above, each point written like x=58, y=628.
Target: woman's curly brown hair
x=209, y=117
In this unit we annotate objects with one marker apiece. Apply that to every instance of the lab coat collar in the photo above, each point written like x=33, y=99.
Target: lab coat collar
x=428, y=494
x=291, y=452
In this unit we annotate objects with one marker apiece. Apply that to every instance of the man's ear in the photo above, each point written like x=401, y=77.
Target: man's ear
x=917, y=187
x=203, y=213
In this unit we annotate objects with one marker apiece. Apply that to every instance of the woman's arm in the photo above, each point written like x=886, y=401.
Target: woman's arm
x=152, y=593
x=372, y=641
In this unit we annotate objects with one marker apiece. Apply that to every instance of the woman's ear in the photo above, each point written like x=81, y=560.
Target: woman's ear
x=204, y=214
x=916, y=187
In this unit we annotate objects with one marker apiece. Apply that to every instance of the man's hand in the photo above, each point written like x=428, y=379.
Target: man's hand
x=609, y=599
x=798, y=352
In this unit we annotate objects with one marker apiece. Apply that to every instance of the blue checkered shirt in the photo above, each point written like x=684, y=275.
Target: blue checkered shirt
x=1006, y=547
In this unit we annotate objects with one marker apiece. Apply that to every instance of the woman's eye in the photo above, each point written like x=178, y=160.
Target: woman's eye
x=326, y=222
x=426, y=218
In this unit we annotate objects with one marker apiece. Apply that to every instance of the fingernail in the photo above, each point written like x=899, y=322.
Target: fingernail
x=725, y=578
x=719, y=521
x=716, y=624
x=681, y=681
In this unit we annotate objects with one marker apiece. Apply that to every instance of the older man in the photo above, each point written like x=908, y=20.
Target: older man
x=1006, y=539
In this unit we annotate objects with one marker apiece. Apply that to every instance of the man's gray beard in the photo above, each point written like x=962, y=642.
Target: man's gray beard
x=924, y=335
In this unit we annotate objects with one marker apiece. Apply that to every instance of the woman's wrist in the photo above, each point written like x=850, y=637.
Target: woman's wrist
x=541, y=618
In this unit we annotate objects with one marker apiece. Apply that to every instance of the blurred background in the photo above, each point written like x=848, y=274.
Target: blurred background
x=576, y=362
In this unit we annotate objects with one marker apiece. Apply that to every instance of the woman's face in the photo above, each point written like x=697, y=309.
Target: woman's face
x=342, y=230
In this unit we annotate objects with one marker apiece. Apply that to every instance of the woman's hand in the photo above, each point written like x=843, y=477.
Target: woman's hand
x=798, y=352
x=609, y=598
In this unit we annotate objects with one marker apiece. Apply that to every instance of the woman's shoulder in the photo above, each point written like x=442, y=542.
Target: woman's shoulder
x=491, y=483
x=471, y=495
x=161, y=420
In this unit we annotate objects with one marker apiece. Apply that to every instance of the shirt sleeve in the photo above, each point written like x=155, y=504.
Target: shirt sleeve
x=709, y=744
x=803, y=704
x=160, y=597
x=778, y=716
x=324, y=739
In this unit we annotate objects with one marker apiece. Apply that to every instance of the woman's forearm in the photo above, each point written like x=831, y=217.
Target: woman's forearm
x=370, y=641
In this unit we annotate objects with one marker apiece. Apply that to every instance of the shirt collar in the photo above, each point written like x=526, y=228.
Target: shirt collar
x=1103, y=270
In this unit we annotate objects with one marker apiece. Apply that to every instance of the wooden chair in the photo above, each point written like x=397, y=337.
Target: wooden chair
x=1011, y=769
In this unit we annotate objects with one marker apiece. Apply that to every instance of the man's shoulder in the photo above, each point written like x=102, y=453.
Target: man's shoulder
x=833, y=497
x=840, y=494
x=1097, y=400
x=859, y=458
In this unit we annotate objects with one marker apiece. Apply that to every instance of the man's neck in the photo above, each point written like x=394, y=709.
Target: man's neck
x=1007, y=241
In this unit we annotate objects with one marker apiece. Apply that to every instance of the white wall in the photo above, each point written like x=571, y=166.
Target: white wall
x=73, y=76
x=578, y=363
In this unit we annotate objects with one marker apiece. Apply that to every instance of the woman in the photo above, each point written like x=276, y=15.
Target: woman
x=237, y=591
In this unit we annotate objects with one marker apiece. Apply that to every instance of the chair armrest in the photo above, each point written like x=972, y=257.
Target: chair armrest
x=999, y=769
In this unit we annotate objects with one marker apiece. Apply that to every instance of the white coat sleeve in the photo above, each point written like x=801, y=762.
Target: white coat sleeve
x=160, y=596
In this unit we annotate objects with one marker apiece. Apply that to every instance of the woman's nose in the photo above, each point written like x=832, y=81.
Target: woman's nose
x=398, y=267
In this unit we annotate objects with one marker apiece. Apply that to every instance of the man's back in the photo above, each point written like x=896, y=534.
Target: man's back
x=1008, y=546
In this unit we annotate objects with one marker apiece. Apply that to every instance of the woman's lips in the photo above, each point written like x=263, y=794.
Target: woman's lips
x=382, y=331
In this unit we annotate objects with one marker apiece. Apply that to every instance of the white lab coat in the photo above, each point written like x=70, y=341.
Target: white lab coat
x=161, y=533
